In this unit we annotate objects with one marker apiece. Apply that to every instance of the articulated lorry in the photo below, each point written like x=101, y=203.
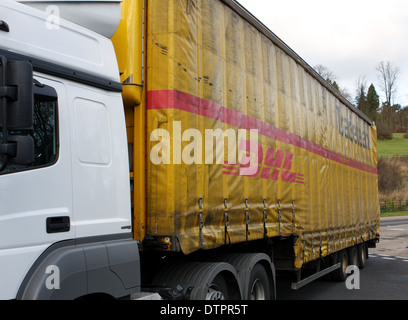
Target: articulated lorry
x=176, y=147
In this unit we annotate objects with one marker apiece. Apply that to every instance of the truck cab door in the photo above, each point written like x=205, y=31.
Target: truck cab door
x=36, y=198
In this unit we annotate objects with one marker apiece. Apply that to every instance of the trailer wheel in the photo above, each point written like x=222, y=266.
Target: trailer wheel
x=200, y=280
x=218, y=290
x=256, y=275
x=259, y=284
x=353, y=256
x=362, y=255
x=340, y=274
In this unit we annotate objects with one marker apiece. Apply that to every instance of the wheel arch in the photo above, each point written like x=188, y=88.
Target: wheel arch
x=78, y=268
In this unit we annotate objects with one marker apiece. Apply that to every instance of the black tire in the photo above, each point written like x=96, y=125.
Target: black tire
x=340, y=275
x=218, y=289
x=353, y=256
x=362, y=255
x=258, y=288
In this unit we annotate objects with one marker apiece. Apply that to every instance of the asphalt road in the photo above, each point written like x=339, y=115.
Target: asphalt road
x=385, y=276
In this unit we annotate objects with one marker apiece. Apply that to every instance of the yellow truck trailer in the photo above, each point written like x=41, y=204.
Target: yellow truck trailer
x=197, y=77
x=242, y=159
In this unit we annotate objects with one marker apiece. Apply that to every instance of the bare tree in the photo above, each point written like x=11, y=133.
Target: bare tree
x=331, y=77
x=346, y=93
x=388, y=75
x=361, y=87
x=325, y=73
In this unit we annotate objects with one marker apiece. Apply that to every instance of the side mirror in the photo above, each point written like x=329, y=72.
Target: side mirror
x=16, y=112
x=24, y=152
x=20, y=112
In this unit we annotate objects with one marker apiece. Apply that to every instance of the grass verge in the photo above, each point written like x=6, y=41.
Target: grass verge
x=397, y=146
x=394, y=214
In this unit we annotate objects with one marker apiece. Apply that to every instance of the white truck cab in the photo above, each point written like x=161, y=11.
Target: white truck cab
x=64, y=172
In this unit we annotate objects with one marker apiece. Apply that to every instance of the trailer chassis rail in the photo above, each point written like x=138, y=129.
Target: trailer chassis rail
x=302, y=283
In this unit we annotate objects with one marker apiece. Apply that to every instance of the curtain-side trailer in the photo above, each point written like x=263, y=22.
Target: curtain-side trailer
x=199, y=77
x=242, y=160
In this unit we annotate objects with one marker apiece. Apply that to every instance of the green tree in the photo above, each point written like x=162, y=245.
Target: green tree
x=403, y=119
x=373, y=103
x=334, y=85
x=362, y=103
x=385, y=122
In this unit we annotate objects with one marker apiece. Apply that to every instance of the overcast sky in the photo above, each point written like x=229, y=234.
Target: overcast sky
x=350, y=37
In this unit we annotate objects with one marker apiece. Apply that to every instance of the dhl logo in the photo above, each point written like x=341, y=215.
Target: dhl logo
x=276, y=165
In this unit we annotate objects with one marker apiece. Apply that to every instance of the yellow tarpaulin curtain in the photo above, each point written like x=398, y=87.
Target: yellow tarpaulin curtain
x=315, y=170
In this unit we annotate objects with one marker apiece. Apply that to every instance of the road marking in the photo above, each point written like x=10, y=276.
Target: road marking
x=387, y=257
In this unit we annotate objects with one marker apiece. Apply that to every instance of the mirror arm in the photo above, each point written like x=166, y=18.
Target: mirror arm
x=3, y=101
x=8, y=92
x=8, y=149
